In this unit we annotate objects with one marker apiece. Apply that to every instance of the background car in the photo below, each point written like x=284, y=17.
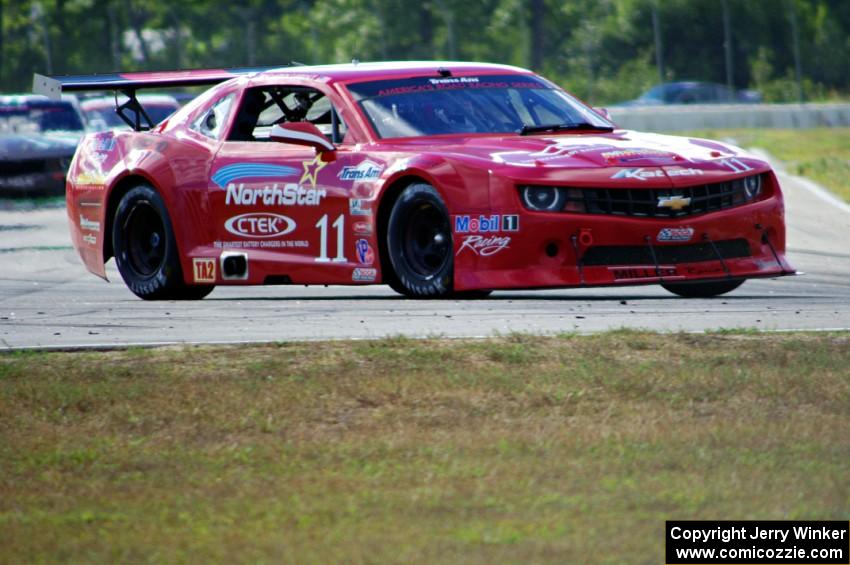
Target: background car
x=38, y=137
x=100, y=112
x=691, y=92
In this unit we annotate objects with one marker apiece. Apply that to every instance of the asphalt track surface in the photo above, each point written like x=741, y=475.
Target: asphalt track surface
x=48, y=300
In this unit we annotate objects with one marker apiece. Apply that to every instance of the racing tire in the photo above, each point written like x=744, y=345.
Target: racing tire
x=419, y=244
x=703, y=289
x=146, y=249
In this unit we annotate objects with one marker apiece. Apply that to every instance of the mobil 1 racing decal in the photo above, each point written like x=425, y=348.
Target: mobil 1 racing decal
x=483, y=235
x=484, y=224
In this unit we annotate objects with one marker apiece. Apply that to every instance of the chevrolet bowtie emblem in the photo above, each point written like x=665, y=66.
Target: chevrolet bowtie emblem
x=673, y=202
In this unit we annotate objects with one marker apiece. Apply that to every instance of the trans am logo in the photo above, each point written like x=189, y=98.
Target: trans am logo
x=238, y=171
x=367, y=170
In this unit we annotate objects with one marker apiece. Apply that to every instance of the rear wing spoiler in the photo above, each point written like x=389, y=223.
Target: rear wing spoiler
x=128, y=83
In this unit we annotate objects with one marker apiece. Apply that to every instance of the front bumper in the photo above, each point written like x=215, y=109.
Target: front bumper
x=576, y=250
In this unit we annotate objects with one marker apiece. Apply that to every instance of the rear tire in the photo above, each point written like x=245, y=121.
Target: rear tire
x=703, y=289
x=146, y=249
x=419, y=244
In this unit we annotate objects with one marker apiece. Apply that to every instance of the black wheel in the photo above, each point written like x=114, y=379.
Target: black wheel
x=146, y=250
x=702, y=289
x=419, y=244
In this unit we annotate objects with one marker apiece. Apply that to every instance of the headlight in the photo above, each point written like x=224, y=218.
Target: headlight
x=752, y=186
x=542, y=198
x=552, y=199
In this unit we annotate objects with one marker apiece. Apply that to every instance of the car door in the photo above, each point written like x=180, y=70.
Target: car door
x=287, y=203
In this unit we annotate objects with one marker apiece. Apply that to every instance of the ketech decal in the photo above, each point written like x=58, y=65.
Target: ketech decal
x=638, y=174
x=627, y=273
x=204, y=270
x=486, y=224
x=260, y=225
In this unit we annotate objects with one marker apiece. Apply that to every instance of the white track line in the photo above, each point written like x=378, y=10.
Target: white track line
x=808, y=184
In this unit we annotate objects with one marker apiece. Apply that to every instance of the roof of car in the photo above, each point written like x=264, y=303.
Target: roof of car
x=389, y=69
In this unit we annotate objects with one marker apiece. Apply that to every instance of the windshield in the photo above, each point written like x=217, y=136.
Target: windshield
x=39, y=117
x=460, y=105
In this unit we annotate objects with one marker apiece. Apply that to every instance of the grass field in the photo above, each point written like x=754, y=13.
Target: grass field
x=516, y=449
x=822, y=154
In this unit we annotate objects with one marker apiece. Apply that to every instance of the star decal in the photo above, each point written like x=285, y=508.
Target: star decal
x=311, y=170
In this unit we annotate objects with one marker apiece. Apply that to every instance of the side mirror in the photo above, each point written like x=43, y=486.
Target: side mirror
x=301, y=133
x=603, y=112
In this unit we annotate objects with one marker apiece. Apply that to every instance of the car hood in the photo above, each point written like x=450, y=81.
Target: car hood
x=621, y=148
x=23, y=147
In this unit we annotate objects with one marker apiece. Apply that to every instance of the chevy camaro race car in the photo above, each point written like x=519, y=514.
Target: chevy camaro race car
x=438, y=179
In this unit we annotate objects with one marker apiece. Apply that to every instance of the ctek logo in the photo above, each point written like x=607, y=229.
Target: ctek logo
x=486, y=224
x=259, y=225
x=638, y=174
x=367, y=170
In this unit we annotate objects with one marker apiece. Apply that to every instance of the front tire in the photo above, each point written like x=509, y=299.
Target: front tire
x=419, y=244
x=146, y=249
x=702, y=289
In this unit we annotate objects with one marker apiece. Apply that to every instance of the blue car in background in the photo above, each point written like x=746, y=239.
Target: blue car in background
x=693, y=92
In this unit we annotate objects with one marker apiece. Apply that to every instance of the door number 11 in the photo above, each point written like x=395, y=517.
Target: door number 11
x=339, y=225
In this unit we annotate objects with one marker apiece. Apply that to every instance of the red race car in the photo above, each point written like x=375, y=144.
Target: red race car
x=438, y=179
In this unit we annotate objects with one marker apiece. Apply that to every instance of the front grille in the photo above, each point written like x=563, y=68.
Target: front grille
x=643, y=202
x=665, y=254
